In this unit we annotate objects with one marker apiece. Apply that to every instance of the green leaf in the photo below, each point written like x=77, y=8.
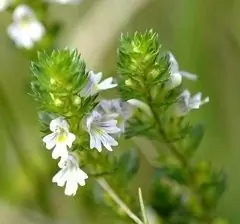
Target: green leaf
x=128, y=164
x=193, y=139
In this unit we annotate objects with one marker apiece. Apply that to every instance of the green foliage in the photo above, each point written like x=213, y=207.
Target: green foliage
x=128, y=165
x=182, y=192
x=141, y=65
x=58, y=78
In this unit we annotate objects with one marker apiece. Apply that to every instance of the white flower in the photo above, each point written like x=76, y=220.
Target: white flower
x=60, y=139
x=66, y=1
x=187, y=103
x=99, y=127
x=176, y=75
x=123, y=109
x=4, y=4
x=141, y=105
x=94, y=85
x=71, y=175
x=25, y=30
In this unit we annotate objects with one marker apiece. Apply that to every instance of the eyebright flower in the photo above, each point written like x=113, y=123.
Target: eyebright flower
x=25, y=30
x=94, y=85
x=99, y=127
x=187, y=103
x=176, y=75
x=123, y=109
x=60, y=139
x=71, y=175
x=4, y=4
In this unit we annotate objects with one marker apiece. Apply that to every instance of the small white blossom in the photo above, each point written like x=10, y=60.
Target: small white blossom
x=4, y=4
x=123, y=109
x=187, y=103
x=176, y=75
x=94, y=85
x=59, y=139
x=100, y=127
x=25, y=30
x=65, y=1
x=71, y=175
x=141, y=105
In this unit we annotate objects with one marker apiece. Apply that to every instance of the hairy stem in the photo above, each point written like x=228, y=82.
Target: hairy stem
x=104, y=184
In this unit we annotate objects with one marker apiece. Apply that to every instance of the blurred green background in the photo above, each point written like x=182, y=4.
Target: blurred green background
x=203, y=35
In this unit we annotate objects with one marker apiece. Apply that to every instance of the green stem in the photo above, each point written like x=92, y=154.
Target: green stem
x=104, y=184
x=183, y=160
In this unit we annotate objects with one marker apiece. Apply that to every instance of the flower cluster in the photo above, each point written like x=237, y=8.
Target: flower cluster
x=80, y=121
x=29, y=28
x=151, y=78
x=153, y=104
x=100, y=126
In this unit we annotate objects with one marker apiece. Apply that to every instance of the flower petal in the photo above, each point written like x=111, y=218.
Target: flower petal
x=70, y=139
x=60, y=178
x=50, y=140
x=95, y=141
x=188, y=75
x=71, y=187
x=106, y=84
x=21, y=12
x=60, y=151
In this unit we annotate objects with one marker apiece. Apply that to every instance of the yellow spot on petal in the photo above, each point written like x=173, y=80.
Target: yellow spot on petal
x=62, y=136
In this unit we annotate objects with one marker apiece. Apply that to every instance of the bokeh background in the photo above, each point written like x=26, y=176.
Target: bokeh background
x=205, y=38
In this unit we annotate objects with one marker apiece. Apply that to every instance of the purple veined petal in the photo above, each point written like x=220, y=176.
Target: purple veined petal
x=110, y=116
x=108, y=141
x=109, y=126
x=95, y=141
x=111, y=129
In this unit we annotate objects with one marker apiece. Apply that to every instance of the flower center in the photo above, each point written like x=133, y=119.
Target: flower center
x=62, y=135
